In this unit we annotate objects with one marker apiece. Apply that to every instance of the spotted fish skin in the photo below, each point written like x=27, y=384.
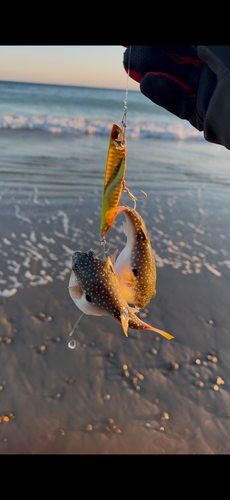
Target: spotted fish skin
x=135, y=266
x=99, y=284
x=95, y=289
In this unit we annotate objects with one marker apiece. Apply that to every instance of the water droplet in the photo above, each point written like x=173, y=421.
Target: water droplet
x=72, y=344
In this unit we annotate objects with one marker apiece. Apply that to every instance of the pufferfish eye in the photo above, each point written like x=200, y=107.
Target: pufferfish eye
x=88, y=298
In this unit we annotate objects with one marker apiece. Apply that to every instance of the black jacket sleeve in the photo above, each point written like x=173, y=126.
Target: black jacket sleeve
x=192, y=82
x=214, y=112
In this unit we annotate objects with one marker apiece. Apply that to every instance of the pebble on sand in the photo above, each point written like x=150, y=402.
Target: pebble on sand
x=135, y=384
x=4, y=418
x=69, y=380
x=199, y=383
x=115, y=429
x=42, y=349
x=173, y=367
x=4, y=341
x=164, y=416
x=212, y=358
x=89, y=427
x=112, y=427
x=219, y=381
x=125, y=370
x=43, y=317
x=7, y=340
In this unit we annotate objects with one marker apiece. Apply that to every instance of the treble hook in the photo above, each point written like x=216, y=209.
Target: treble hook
x=134, y=198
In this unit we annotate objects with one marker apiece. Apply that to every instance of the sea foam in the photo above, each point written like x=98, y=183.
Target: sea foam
x=135, y=128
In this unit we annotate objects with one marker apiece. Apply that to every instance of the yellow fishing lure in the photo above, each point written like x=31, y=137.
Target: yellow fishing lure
x=114, y=176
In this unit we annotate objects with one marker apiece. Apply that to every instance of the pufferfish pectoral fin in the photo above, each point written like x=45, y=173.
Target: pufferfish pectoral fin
x=76, y=292
x=129, y=279
x=74, y=287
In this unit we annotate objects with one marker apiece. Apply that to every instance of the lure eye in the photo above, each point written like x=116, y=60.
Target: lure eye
x=114, y=134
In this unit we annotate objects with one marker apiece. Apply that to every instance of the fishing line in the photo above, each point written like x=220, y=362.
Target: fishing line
x=123, y=121
x=72, y=343
x=120, y=142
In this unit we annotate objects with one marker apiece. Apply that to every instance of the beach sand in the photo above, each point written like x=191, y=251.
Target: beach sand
x=172, y=397
x=58, y=400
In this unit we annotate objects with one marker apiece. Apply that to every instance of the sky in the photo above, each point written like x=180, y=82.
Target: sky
x=80, y=65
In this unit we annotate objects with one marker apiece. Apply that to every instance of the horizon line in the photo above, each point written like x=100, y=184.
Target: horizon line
x=69, y=85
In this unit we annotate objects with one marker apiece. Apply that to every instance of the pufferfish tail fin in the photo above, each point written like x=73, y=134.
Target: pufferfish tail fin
x=137, y=324
x=165, y=334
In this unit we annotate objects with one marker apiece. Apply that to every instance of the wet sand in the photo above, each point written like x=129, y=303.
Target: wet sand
x=166, y=403
x=111, y=394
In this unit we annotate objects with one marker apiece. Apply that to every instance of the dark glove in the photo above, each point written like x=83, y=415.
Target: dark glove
x=192, y=83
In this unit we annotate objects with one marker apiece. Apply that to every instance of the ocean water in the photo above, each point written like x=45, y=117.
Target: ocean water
x=53, y=149
x=79, y=110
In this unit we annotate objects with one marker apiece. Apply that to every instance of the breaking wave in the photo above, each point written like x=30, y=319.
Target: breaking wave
x=180, y=130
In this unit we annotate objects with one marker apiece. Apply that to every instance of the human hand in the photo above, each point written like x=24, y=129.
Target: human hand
x=187, y=82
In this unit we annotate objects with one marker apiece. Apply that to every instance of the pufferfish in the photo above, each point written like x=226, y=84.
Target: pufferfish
x=135, y=266
x=96, y=291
